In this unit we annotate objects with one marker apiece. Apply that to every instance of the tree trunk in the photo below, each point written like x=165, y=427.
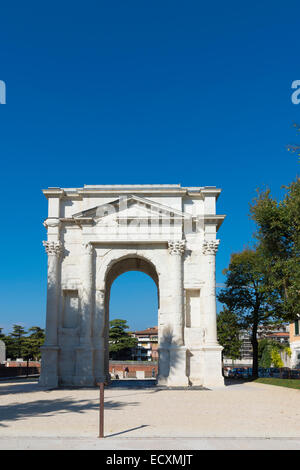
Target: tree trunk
x=255, y=359
x=254, y=343
x=222, y=358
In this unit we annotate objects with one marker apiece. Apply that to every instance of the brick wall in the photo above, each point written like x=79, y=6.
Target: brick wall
x=22, y=364
x=134, y=366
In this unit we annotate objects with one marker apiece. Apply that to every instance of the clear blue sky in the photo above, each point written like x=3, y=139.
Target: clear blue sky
x=196, y=93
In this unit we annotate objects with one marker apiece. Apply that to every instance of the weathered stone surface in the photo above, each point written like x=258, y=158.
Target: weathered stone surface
x=2, y=352
x=96, y=233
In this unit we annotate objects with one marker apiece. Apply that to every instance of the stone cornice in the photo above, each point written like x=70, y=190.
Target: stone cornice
x=210, y=191
x=86, y=192
x=214, y=219
x=79, y=222
x=154, y=208
x=53, y=192
x=51, y=222
x=142, y=189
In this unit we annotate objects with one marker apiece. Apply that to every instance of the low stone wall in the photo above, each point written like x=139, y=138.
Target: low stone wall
x=18, y=371
x=134, y=368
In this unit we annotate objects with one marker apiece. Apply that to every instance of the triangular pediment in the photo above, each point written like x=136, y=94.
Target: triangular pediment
x=131, y=207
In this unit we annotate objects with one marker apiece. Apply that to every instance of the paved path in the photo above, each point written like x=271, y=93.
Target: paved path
x=165, y=444
x=237, y=416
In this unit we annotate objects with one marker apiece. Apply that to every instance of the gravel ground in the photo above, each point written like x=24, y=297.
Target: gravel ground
x=238, y=411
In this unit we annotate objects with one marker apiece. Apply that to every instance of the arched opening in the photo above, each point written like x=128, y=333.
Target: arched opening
x=133, y=297
x=134, y=268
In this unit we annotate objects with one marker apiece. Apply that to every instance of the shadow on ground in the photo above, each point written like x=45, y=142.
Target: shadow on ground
x=15, y=387
x=17, y=411
x=230, y=382
x=127, y=430
x=133, y=383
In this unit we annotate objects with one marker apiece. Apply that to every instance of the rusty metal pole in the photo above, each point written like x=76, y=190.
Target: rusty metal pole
x=101, y=411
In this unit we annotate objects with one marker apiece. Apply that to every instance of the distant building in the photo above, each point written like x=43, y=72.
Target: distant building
x=147, y=347
x=295, y=343
x=246, y=348
x=280, y=336
x=278, y=333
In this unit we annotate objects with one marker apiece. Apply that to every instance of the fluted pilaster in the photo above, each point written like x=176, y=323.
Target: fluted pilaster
x=86, y=293
x=210, y=249
x=54, y=251
x=176, y=250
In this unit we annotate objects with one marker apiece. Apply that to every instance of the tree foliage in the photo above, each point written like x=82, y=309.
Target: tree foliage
x=36, y=340
x=278, y=236
x=228, y=334
x=248, y=296
x=269, y=352
x=120, y=341
x=17, y=340
x=20, y=343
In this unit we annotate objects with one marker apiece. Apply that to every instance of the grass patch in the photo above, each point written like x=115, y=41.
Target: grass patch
x=289, y=383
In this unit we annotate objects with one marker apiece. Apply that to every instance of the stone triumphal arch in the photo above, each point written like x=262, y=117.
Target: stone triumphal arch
x=95, y=234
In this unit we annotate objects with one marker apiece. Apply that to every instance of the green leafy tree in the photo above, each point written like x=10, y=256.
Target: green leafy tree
x=276, y=358
x=264, y=353
x=266, y=347
x=36, y=340
x=120, y=341
x=248, y=296
x=228, y=334
x=20, y=343
x=278, y=235
x=269, y=352
x=16, y=340
x=27, y=351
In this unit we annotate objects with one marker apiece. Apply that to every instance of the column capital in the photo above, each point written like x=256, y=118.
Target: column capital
x=210, y=247
x=87, y=248
x=53, y=248
x=176, y=247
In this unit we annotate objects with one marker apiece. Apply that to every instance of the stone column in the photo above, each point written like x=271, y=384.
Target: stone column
x=98, y=337
x=86, y=294
x=177, y=351
x=84, y=358
x=176, y=250
x=212, y=362
x=210, y=249
x=53, y=249
x=49, y=373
